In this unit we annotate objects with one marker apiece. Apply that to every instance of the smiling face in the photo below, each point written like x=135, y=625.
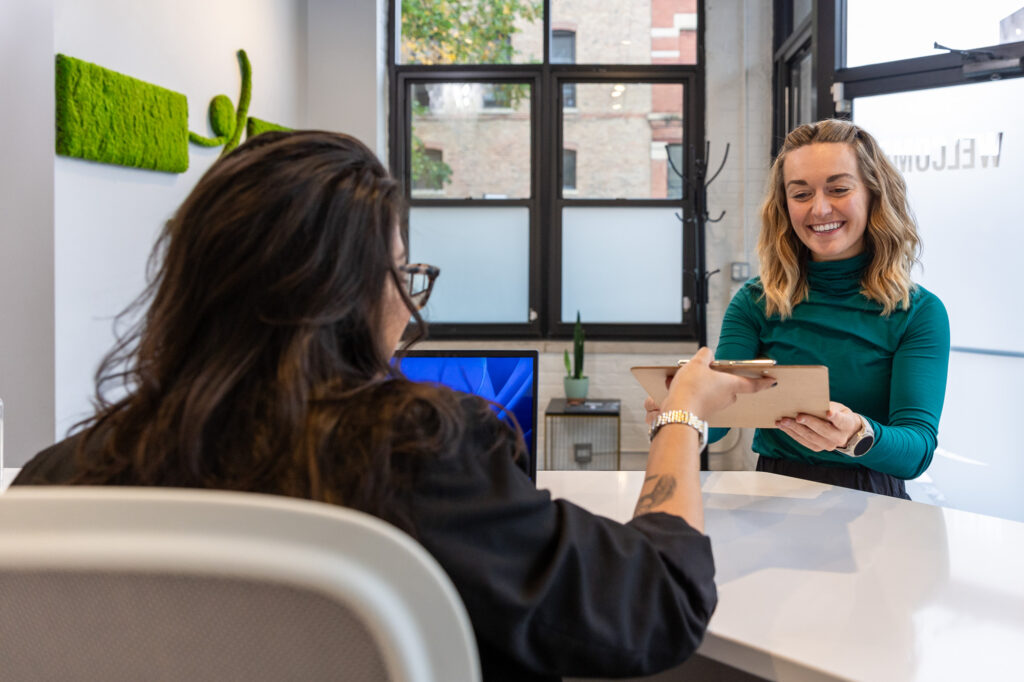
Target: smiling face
x=827, y=200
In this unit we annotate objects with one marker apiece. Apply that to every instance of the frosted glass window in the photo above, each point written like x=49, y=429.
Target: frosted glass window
x=964, y=172
x=911, y=27
x=622, y=265
x=484, y=256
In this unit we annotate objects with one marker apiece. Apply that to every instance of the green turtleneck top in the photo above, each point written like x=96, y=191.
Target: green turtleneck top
x=891, y=370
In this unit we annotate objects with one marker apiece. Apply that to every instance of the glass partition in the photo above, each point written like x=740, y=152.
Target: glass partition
x=964, y=172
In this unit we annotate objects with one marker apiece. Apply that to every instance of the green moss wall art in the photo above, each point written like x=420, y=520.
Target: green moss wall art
x=106, y=116
x=256, y=126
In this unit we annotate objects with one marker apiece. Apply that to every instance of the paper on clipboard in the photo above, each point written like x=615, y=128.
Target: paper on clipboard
x=802, y=388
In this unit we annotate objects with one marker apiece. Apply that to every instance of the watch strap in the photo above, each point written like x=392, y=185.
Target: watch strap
x=861, y=441
x=681, y=417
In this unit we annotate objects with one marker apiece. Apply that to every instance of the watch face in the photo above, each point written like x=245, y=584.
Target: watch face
x=863, y=445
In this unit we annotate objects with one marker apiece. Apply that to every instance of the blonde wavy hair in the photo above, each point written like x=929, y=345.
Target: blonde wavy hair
x=890, y=236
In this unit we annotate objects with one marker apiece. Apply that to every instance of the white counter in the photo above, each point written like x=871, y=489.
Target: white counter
x=6, y=476
x=817, y=582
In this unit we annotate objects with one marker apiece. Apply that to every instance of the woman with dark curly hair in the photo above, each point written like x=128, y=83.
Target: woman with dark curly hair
x=262, y=363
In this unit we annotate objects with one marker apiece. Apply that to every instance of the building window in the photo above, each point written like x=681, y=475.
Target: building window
x=420, y=95
x=569, y=169
x=524, y=235
x=674, y=171
x=497, y=95
x=563, y=51
x=428, y=169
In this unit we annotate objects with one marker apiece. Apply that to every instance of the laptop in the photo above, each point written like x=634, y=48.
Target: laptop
x=506, y=377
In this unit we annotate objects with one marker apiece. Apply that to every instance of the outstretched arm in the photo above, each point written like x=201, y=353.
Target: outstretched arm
x=672, y=481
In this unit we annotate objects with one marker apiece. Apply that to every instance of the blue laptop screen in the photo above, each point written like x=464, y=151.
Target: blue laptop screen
x=508, y=378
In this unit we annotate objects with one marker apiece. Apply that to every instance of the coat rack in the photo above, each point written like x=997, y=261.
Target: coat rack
x=699, y=186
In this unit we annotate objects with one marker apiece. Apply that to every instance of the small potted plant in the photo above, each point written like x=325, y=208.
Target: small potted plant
x=575, y=382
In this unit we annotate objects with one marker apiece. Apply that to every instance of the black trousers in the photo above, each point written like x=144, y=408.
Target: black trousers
x=857, y=478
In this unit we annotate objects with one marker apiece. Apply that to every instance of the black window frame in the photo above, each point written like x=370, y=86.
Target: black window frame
x=838, y=86
x=546, y=201
x=817, y=34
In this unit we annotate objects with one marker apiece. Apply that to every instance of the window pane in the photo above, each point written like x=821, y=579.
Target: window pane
x=563, y=47
x=568, y=95
x=470, y=140
x=484, y=256
x=470, y=32
x=620, y=131
x=802, y=92
x=629, y=32
x=963, y=170
x=913, y=26
x=674, y=171
x=801, y=9
x=614, y=258
x=569, y=169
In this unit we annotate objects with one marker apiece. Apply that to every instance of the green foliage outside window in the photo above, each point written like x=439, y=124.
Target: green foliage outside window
x=428, y=172
x=460, y=32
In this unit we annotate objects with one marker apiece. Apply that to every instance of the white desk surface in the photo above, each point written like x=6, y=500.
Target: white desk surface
x=6, y=476
x=822, y=583
x=817, y=582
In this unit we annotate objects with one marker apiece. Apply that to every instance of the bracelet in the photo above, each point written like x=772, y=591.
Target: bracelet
x=681, y=417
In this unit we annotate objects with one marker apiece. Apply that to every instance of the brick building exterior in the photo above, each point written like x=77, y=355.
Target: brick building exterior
x=614, y=134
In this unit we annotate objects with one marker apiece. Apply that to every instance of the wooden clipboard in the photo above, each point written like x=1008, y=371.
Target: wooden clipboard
x=802, y=388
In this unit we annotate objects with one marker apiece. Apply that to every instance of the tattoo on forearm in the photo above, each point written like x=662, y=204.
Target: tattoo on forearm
x=656, y=490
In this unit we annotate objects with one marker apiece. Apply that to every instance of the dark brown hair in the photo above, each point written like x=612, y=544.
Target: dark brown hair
x=257, y=363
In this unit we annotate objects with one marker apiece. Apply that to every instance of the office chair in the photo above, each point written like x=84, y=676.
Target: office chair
x=169, y=584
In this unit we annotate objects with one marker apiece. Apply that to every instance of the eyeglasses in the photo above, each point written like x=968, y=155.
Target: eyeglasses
x=419, y=281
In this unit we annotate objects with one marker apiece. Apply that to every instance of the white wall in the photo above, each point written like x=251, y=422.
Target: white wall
x=106, y=217
x=75, y=235
x=738, y=42
x=26, y=226
x=348, y=69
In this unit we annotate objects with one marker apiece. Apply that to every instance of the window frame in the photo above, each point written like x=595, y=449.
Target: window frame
x=818, y=34
x=546, y=200
x=837, y=86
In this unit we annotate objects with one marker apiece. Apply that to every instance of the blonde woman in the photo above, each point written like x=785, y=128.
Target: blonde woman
x=836, y=248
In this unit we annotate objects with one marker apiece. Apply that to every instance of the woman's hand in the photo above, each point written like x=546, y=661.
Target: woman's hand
x=701, y=390
x=821, y=435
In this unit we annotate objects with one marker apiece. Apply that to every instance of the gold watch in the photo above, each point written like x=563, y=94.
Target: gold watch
x=861, y=441
x=681, y=417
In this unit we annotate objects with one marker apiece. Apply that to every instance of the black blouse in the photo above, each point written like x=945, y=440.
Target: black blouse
x=550, y=588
